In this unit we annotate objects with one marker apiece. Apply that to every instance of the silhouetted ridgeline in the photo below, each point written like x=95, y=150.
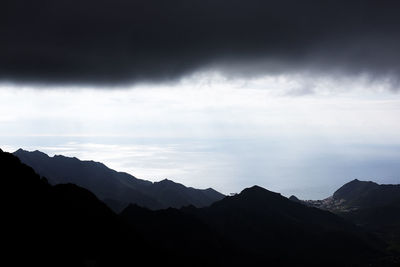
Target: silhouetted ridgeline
x=117, y=189
x=66, y=225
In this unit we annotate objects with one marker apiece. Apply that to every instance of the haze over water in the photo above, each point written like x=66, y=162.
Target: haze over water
x=208, y=131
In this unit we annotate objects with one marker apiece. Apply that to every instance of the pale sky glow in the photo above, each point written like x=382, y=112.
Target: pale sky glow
x=293, y=134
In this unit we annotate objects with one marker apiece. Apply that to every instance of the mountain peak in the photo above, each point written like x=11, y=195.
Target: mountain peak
x=21, y=151
x=35, y=153
x=257, y=194
x=167, y=183
x=166, y=180
x=294, y=198
x=356, y=181
x=353, y=189
x=255, y=189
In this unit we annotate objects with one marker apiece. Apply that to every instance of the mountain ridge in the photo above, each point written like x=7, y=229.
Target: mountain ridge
x=117, y=189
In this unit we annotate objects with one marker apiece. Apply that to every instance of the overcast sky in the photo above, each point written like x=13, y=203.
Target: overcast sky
x=296, y=96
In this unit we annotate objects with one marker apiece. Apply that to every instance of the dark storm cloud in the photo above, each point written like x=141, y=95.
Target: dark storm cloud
x=119, y=41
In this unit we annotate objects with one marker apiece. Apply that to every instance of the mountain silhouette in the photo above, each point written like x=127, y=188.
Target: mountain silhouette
x=117, y=189
x=66, y=225
x=282, y=232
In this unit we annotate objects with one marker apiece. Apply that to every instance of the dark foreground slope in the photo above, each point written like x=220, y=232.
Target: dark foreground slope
x=281, y=232
x=62, y=225
x=261, y=228
x=65, y=225
x=117, y=189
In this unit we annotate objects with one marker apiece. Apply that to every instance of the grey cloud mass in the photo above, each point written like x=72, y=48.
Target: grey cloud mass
x=121, y=41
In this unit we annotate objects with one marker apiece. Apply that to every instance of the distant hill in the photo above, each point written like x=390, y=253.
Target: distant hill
x=372, y=206
x=356, y=195
x=117, y=189
x=367, y=194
